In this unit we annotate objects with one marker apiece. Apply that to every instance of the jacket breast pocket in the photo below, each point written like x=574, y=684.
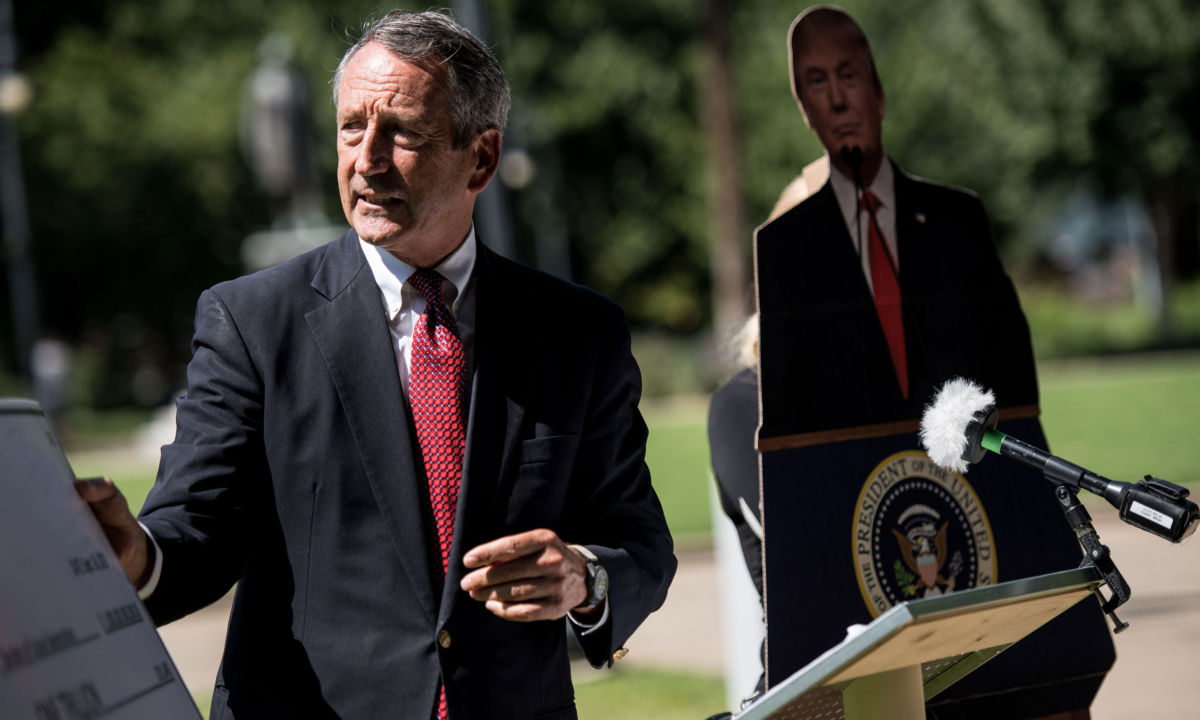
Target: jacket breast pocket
x=549, y=449
x=543, y=475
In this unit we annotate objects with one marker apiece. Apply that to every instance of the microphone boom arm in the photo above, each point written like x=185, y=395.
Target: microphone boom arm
x=1154, y=505
x=1095, y=554
x=1068, y=478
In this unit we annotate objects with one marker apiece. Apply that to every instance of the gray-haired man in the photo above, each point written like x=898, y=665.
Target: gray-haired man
x=389, y=442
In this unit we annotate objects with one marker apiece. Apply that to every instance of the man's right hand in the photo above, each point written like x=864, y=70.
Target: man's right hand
x=125, y=535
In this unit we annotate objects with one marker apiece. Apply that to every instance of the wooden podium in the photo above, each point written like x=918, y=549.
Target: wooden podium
x=918, y=648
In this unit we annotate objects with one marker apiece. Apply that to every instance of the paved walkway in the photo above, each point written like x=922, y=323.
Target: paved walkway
x=1157, y=656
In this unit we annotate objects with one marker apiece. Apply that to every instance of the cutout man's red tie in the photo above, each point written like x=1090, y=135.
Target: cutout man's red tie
x=436, y=390
x=886, y=284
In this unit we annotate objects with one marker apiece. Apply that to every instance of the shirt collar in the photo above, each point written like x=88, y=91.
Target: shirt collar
x=883, y=186
x=391, y=273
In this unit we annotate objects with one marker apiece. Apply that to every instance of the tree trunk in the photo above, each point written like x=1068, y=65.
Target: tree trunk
x=1163, y=211
x=728, y=244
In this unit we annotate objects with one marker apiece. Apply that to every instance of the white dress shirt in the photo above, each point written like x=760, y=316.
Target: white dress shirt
x=403, y=304
x=884, y=187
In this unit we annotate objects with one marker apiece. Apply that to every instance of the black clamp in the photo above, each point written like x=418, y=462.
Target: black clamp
x=1095, y=554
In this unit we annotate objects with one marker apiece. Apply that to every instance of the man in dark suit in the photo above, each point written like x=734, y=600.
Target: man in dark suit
x=389, y=442
x=886, y=301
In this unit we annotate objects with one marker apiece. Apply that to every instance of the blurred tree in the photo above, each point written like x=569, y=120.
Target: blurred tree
x=719, y=119
x=140, y=199
x=1024, y=101
x=138, y=196
x=1118, y=100
x=610, y=88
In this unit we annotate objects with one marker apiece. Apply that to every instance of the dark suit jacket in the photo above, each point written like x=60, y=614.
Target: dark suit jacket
x=825, y=362
x=293, y=475
x=732, y=418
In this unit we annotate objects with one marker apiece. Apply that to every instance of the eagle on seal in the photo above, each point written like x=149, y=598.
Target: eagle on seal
x=924, y=552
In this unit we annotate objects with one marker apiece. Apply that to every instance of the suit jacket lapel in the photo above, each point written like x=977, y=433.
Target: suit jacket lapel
x=922, y=281
x=840, y=269
x=912, y=236
x=352, y=333
x=493, y=426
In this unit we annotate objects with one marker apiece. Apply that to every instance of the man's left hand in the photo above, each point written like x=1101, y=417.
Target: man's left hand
x=528, y=576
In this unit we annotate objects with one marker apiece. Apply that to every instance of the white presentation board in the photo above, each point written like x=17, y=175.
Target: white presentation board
x=75, y=640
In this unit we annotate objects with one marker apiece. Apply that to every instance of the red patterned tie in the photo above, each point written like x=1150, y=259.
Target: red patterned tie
x=436, y=389
x=887, y=293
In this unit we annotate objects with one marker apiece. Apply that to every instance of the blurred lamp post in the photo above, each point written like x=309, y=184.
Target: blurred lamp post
x=15, y=95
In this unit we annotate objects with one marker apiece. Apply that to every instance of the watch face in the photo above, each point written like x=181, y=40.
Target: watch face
x=600, y=584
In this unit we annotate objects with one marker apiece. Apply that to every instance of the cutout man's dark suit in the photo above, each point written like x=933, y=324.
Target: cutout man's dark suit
x=294, y=473
x=825, y=366
x=961, y=314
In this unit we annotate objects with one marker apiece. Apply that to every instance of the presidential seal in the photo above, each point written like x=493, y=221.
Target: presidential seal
x=919, y=531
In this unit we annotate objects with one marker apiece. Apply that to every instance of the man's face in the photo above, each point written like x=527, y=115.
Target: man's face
x=403, y=186
x=840, y=99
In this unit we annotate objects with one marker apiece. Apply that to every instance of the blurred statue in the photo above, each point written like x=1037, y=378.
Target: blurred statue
x=50, y=364
x=275, y=129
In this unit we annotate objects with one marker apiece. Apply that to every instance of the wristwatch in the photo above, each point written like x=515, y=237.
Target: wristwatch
x=597, y=578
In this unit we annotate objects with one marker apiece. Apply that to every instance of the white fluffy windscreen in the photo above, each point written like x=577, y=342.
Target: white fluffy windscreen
x=944, y=424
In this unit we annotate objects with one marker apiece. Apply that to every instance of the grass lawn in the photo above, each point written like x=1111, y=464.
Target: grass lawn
x=643, y=693
x=1121, y=417
x=133, y=475
x=1125, y=417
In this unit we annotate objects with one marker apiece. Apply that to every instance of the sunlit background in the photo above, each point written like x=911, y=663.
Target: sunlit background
x=152, y=149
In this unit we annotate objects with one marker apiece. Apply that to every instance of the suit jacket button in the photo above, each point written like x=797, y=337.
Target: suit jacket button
x=443, y=638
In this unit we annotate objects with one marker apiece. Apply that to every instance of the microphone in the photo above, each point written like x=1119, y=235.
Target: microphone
x=853, y=157
x=959, y=427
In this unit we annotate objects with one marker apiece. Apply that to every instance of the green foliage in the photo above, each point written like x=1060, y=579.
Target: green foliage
x=1027, y=101
x=604, y=92
x=904, y=578
x=776, y=144
x=1064, y=326
x=139, y=197
x=1024, y=101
